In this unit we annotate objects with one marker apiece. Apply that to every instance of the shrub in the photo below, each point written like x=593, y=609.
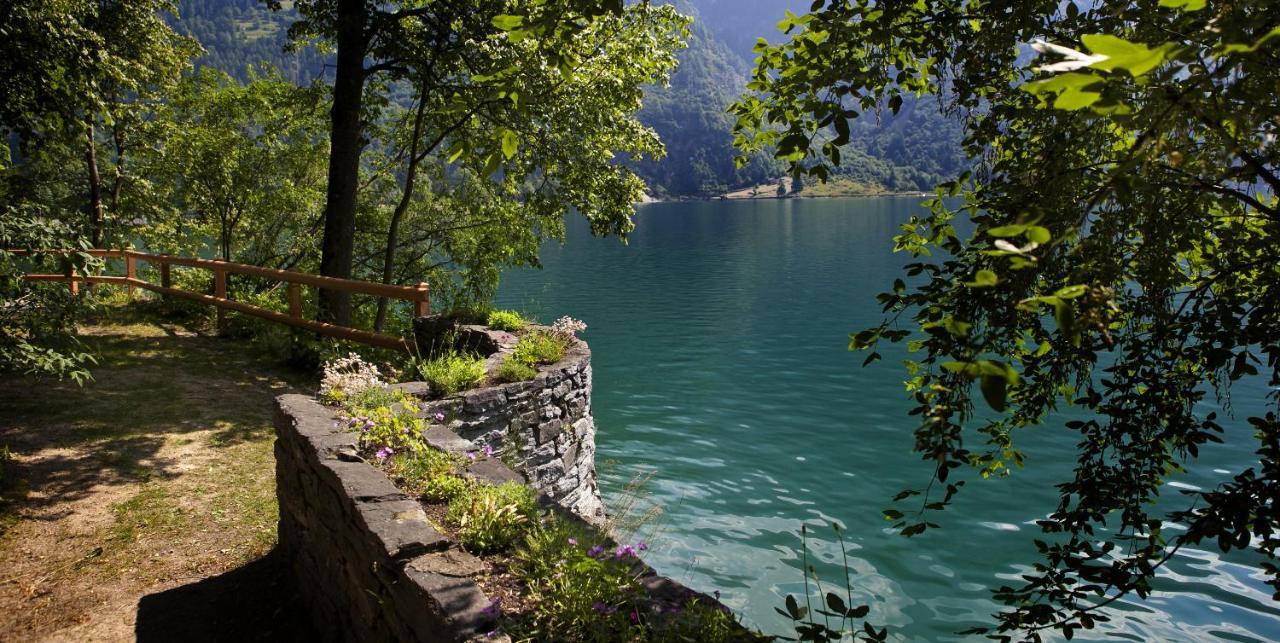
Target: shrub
x=583, y=589
x=577, y=583
x=452, y=372
x=493, y=517
x=512, y=370
x=568, y=327
x=508, y=320
x=347, y=376
x=431, y=474
x=387, y=420
x=539, y=348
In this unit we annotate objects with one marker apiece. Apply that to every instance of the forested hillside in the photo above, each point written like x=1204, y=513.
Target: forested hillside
x=913, y=151
x=239, y=33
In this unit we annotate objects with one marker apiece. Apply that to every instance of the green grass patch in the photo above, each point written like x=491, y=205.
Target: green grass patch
x=539, y=348
x=508, y=320
x=512, y=370
x=452, y=372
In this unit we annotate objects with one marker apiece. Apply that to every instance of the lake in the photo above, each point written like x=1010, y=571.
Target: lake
x=719, y=339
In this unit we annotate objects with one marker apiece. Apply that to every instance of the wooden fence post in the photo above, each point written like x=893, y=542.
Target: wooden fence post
x=220, y=291
x=130, y=271
x=295, y=301
x=69, y=271
x=166, y=281
x=422, y=307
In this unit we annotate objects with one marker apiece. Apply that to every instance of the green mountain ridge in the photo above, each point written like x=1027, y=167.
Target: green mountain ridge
x=911, y=152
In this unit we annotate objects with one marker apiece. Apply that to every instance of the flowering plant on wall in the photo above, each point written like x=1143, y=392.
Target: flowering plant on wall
x=568, y=327
x=347, y=376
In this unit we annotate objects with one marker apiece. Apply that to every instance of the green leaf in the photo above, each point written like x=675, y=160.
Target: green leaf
x=994, y=391
x=1133, y=57
x=1072, y=89
x=1071, y=292
x=507, y=22
x=1007, y=230
x=983, y=279
x=1039, y=235
x=510, y=143
x=1183, y=5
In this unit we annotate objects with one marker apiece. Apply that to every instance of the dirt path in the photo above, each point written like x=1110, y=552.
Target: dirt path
x=143, y=504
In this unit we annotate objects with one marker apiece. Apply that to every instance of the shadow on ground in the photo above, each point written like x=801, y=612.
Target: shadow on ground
x=256, y=602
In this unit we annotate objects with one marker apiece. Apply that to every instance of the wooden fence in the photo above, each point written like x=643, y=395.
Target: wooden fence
x=419, y=295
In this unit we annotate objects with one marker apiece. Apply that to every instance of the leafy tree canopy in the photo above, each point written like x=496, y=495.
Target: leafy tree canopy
x=1123, y=258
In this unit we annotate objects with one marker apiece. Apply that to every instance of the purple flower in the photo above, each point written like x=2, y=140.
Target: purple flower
x=384, y=453
x=573, y=541
x=603, y=609
x=439, y=417
x=471, y=456
x=642, y=546
x=488, y=451
x=625, y=550
x=635, y=618
x=595, y=551
x=494, y=610
x=368, y=425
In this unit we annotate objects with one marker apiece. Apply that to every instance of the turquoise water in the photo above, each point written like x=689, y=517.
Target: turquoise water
x=719, y=341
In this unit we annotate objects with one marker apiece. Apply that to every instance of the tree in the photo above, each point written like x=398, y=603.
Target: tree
x=1123, y=259
x=545, y=139
x=240, y=164
x=401, y=40
x=67, y=68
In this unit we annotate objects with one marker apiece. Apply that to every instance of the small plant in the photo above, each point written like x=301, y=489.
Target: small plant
x=508, y=320
x=568, y=327
x=539, y=348
x=513, y=370
x=452, y=372
x=839, y=614
x=493, y=517
x=431, y=474
x=387, y=420
x=347, y=376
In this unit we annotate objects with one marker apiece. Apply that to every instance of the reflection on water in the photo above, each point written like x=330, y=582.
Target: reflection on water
x=719, y=341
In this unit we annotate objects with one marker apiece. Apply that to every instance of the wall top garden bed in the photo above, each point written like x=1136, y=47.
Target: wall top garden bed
x=415, y=513
x=375, y=564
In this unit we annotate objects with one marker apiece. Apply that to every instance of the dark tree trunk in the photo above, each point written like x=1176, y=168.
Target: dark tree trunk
x=344, y=159
x=95, y=188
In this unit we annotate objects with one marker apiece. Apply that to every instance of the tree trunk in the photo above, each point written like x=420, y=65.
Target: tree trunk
x=95, y=187
x=406, y=197
x=344, y=159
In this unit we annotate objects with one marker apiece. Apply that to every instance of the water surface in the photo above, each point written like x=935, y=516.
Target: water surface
x=719, y=339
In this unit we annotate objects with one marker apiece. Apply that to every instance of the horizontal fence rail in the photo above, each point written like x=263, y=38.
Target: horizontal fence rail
x=419, y=295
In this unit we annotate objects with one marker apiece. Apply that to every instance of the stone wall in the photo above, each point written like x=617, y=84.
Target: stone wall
x=542, y=428
x=366, y=559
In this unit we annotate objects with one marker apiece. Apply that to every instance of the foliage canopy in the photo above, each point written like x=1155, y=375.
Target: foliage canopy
x=1123, y=258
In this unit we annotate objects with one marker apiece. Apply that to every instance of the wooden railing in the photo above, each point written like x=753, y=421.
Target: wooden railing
x=419, y=295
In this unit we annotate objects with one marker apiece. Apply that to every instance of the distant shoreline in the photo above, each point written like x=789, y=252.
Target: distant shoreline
x=835, y=190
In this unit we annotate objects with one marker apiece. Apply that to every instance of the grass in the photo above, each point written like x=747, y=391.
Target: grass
x=508, y=320
x=452, y=372
x=160, y=469
x=539, y=348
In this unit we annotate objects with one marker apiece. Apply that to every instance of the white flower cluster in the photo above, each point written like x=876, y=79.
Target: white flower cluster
x=347, y=376
x=567, y=326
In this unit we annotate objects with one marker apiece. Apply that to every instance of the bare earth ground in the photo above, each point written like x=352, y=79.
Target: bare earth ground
x=143, y=504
